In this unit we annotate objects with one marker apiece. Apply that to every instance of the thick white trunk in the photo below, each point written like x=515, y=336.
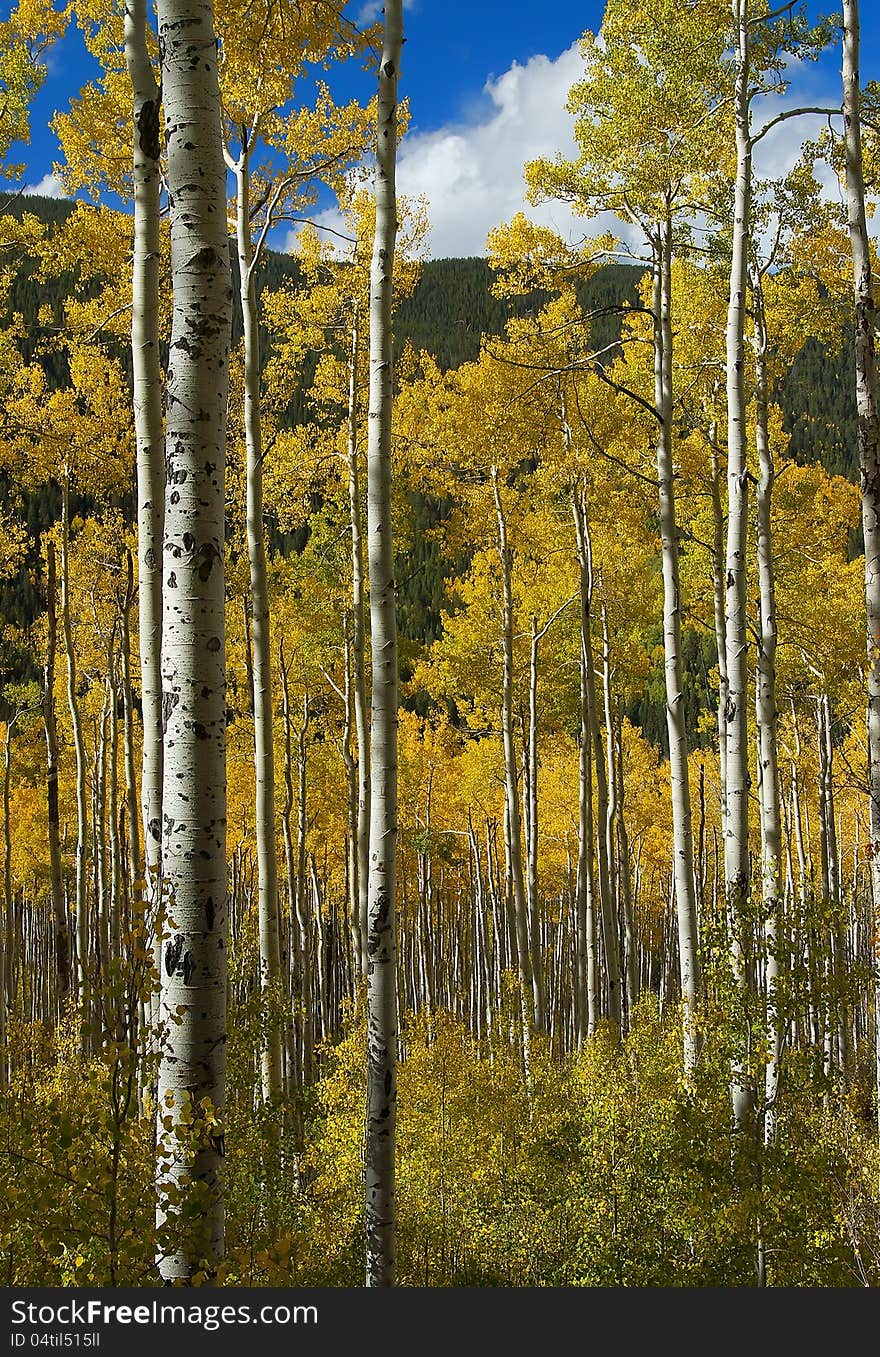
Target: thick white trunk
x=193, y=998
x=382, y=880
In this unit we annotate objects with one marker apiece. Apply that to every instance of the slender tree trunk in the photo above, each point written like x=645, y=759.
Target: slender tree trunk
x=531, y=789
x=264, y=748
x=135, y=857
x=359, y=663
x=382, y=879
x=59, y=902
x=869, y=450
x=147, y=398
x=351, y=763
x=299, y=1017
x=194, y=971
x=736, y=843
x=765, y=704
x=607, y=913
x=82, y=904
x=513, y=816
x=682, y=831
x=719, y=590
x=623, y=858
x=309, y=982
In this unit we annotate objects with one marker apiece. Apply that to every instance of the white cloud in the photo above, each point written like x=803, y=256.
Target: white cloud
x=472, y=175
x=50, y=186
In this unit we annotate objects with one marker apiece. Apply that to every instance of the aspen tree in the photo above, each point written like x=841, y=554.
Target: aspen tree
x=260, y=69
x=59, y=904
x=147, y=403
x=868, y=436
x=736, y=840
x=193, y=997
x=636, y=113
x=772, y=39
x=382, y=888
x=766, y=713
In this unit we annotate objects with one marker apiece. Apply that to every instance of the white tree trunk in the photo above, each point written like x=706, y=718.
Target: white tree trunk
x=59, y=903
x=530, y=791
x=193, y=997
x=513, y=816
x=682, y=830
x=264, y=748
x=607, y=912
x=869, y=448
x=359, y=666
x=382, y=881
x=736, y=842
x=147, y=398
x=765, y=707
x=83, y=979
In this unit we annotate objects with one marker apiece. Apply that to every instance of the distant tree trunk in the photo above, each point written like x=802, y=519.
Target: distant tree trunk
x=147, y=398
x=869, y=450
x=736, y=855
x=59, y=902
x=264, y=748
x=513, y=816
x=682, y=830
x=194, y=970
x=382, y=881
x=531, y=794
x=82, y=903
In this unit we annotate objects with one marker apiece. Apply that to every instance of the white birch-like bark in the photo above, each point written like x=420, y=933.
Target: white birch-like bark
x=869, y=449
x=607, y=912
x=736, y=839
x=513, y=815
x=261, y=659
x=135, y=857
x=193, y=1055
x=382, y=878
x=765, y=708
x=682, y=828
x=359, y=665
x=59, y=903
x=719, y=608
x=147, y=402
x=530, y=791
x=83, y=980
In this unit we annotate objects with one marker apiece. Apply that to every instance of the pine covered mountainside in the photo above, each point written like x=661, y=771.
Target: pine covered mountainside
x=446, y=315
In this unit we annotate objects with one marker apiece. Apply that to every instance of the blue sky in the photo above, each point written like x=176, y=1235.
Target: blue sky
x=487, y=84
